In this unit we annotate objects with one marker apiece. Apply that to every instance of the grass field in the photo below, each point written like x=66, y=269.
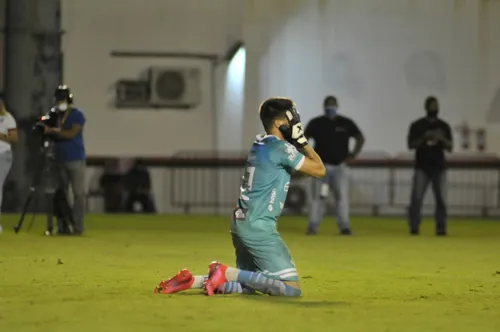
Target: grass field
x=381, y=279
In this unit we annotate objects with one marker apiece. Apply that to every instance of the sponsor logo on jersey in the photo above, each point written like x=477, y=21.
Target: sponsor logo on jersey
x=272, y=200
x=291, y=151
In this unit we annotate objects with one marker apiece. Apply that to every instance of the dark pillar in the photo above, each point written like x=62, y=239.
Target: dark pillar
x=32, y=72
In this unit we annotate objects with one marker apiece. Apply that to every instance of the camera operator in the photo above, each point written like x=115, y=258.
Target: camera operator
x=8, y=136
x=70, y=150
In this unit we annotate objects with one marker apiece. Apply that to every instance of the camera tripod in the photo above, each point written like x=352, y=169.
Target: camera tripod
x=49, y=179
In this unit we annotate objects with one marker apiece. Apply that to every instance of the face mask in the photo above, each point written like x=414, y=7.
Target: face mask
x=432, y=113
x=331, y=111
x=62, y=107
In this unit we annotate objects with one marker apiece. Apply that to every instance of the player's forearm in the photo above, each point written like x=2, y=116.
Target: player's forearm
x=310, y=154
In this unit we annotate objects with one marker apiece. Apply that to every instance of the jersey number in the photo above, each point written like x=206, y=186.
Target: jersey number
x=246, y=182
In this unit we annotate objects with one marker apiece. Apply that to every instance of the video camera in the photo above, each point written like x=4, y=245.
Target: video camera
x=50, y=119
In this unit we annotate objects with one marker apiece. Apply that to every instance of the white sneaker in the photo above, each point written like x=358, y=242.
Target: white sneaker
x=1, y=229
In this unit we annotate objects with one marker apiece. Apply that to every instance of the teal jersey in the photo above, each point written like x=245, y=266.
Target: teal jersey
x=266, y=178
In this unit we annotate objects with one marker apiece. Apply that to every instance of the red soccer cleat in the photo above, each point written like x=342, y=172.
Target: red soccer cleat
x=216, y=277
x=181, y=281
x=212, y=267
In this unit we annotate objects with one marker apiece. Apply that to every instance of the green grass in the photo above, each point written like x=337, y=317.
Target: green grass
x=378, y=280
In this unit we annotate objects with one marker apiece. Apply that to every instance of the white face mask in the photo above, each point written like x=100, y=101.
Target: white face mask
x=62, y=107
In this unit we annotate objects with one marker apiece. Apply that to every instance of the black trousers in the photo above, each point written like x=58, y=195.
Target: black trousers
x=144, y=199
x=421, y=181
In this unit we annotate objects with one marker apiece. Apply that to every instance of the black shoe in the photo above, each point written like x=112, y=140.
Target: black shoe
x=441, y=234
x=345, y=231
x=414, y=232
x=311, y=232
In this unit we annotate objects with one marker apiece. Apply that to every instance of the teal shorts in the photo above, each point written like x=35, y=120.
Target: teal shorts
x=265, y=252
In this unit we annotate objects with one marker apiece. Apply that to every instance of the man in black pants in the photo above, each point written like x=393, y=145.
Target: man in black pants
x=332, y=134
x=429, y=136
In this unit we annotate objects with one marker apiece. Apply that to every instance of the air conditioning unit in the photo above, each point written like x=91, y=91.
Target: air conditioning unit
x=132, y=93
x=174, y=87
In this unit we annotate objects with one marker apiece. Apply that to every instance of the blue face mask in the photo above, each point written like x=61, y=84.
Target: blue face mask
x=331, y=111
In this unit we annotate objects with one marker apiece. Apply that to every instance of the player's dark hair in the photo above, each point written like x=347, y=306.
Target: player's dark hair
x=272, y=109
x=329, y=99
x=428, y=101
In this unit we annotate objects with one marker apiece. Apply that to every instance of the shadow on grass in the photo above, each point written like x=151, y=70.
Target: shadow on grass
x=299, y=302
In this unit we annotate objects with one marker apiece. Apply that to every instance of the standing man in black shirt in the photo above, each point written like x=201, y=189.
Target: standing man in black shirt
x=429, y=137
x=331, y=133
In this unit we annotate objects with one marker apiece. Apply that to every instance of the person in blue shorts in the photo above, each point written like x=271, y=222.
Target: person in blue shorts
x=263, y=261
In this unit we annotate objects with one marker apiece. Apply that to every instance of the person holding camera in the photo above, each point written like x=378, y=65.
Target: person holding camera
x=70, y=150
x=429, y=136
x=8, y=136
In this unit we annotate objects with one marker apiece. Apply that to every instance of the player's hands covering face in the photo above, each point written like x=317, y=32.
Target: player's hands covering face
x=298, y=139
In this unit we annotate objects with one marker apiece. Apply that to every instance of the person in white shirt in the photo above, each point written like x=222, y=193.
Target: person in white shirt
x=8, y=136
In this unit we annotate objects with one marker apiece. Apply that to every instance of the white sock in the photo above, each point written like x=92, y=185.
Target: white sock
x=232, y=274
x=199, y=281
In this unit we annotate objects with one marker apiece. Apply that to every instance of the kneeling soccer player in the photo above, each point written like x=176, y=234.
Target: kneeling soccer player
x=263, y=262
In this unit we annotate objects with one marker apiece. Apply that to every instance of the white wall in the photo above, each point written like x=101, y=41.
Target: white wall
x=380, y=58
x=94, y=28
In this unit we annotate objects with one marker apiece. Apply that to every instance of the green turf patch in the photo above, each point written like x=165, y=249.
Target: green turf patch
x=381, y=279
